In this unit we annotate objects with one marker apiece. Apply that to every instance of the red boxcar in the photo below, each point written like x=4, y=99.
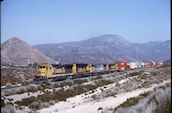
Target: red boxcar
x=158, y=64
x=120, y=63
x=149, y=64
x=121, y=67
x=127, y=65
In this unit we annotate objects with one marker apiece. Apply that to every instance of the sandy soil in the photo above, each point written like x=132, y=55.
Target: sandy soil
x=81, y=104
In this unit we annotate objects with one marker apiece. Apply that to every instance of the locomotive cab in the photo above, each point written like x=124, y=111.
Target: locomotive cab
x=43, y=71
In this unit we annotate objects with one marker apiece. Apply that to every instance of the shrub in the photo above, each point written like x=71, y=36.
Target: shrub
x=100, y=108
x=80, y=81
x=158, y=101
x=94, y=96
x=10, y=99
x=45, y=104
x=8, y=85
x=146, y=84
x=45, y=97
x=62, y=84
x=26, y=101
x=10, y=103
x=96, y=78
x=35, y=105
x=8, y=109
x=154, y=73
x=52, y=102
x=90, y=87
x=100, y=83
x=79, y=90
x=21, y=90
x=2, y=103
x=44, y=86
x=144, y=76
x=135, y=73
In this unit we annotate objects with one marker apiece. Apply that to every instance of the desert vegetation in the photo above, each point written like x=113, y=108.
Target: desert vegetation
x=38, y=96
x=157, y=101
x=16, y=75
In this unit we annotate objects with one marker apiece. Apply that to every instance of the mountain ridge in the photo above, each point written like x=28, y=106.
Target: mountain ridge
x=104, y=49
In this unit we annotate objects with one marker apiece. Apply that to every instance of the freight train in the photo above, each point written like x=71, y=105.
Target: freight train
x=58, y=72
x=63, y=71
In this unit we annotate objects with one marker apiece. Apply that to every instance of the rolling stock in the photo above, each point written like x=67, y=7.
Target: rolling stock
x=59, y=71
x=50, y=71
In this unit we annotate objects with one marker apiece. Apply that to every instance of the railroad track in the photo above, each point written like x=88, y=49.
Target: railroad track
x=52, y=80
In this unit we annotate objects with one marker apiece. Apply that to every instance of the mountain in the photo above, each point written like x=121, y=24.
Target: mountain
x=18, y=52
x=151, y=43
x=107, y=48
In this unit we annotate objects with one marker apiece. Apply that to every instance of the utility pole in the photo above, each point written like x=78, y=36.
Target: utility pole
x=28, y=61
x=75, y=52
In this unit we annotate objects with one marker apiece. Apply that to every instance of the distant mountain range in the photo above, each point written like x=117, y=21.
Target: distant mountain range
x=101, y=49
x=106, y=49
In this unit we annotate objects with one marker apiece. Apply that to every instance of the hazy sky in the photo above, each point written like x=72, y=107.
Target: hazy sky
x=56, y=21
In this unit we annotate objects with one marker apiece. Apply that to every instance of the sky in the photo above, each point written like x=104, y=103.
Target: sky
x=58, y=21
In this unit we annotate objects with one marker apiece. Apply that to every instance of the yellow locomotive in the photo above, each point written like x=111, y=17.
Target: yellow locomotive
x=47, y=71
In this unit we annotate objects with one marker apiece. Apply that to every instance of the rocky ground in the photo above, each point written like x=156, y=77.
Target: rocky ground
x=100, y=93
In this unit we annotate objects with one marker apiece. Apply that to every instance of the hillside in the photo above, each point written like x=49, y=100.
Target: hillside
x=105, y=49
x=18, y=52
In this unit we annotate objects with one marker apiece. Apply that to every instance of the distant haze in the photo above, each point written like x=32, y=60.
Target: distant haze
x=57, y=21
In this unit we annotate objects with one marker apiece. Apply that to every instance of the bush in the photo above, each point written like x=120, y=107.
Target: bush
x=44, y=86
x=10, y=103
x=90, y=87
x=26, y=101
x=154, y=73
x=101, y=83
x=32, y=88
x=21, y=90
x=52, y=102
x=146, y=84
x=45, y=97
x=2, y=103
x=45, y=104
x=10, y=99
x=79, y=90
x=62, y=84
x=80, y=81
x=144, y=76
x=135, y=73
x=94, y=97
x=8, y=109
x=158, y=101
x=96, y=78
x=35, y=105
x=8, y=85
x=100, y=108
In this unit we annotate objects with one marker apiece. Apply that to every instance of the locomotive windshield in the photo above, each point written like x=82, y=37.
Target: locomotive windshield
x=41, y=67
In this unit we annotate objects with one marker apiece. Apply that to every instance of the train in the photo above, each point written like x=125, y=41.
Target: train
x=62, y=71
x=46, y=71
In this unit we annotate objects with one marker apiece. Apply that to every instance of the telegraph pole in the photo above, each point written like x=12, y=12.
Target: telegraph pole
x=75, y=52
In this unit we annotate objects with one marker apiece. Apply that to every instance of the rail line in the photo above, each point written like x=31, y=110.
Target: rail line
x=56, y=80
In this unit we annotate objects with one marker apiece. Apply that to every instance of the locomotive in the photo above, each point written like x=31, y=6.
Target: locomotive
x=59, y=71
